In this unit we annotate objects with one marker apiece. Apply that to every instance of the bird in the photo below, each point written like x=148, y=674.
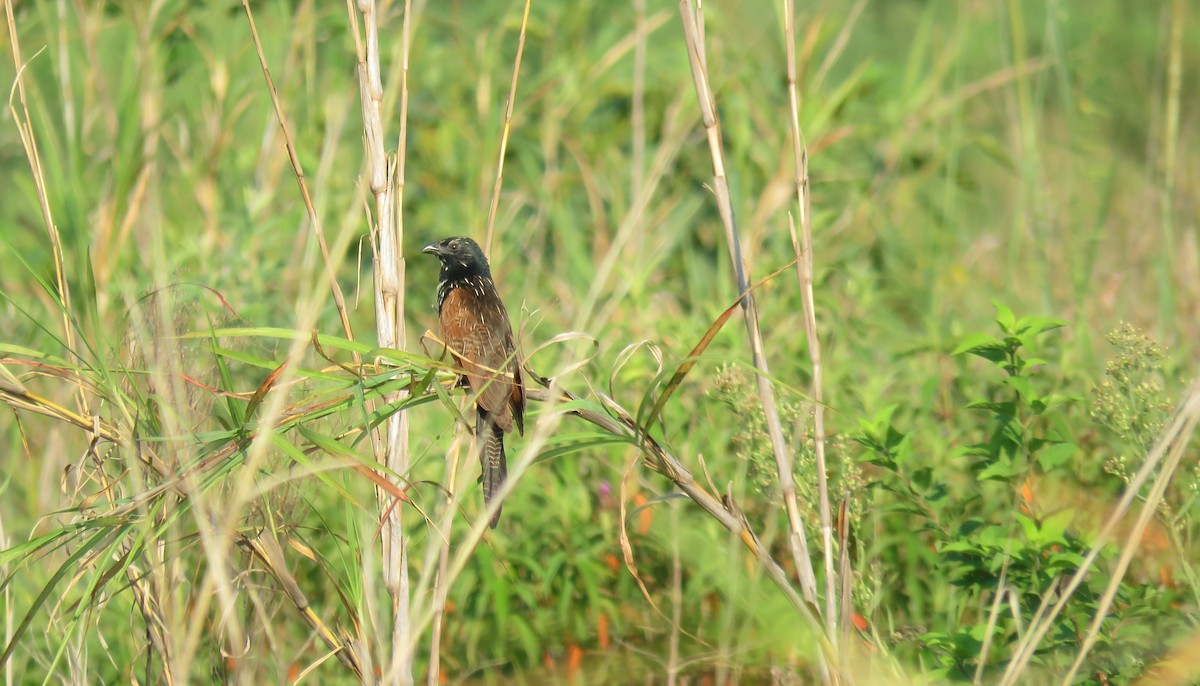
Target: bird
x=478, y=334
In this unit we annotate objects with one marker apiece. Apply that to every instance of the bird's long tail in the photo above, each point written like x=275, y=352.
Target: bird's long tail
x=490, y=440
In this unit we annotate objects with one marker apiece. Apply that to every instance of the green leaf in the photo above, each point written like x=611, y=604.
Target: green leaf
x=1033, y=326
x=297, y=455
x=331, y=445
x=1004, y=316
x=596, y=441
x=34, y=545
x=1030, y=527
x=1063, y=562
x=1023, y=386
x=526, y=636
x=1055, y=399
x=1004, y=409
x=975, y=450
x=1054, y=528
x=982, y=345
x=883, y=419
x=326, y=340
x=994, y=537
x=961, y=546
x=1000, y=470
x=904, y=450
x=985, y=405
x=1056, y=455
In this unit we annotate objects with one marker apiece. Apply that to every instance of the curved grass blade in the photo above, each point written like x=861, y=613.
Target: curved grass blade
x=693, y=357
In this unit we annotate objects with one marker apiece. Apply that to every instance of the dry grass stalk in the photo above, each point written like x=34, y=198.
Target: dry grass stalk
x=6, y=570
x=1175, y=441
x=156, y=626
x=151, y=590
x=693, y=34
x=844, y=576
x=441, y=589
x=1170, y=153
x=839, y=44
x=298, y=170
x=804, y=268
x=387, y=242
x=1171, y=445
x=24, y=126
x=637, y=111
x=267, y=550
x=673, y=663
x=389, y=304
x=147, y=590
x=508, y=111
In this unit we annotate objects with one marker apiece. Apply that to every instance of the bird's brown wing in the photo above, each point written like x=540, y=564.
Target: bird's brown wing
x=476, y=328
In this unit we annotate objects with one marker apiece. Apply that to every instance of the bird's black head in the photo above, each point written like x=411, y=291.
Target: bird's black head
x=461, y=257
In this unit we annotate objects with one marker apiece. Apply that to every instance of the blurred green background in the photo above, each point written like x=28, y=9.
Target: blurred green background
x=1039, y=154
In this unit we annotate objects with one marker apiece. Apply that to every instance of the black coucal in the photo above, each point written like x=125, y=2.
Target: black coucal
x=477, y=331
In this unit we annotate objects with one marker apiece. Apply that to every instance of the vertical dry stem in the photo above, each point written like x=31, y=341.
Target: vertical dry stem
x=1171, y=155
x=25, y=131
x=673, y=665
x=298, y=170
x=441, y=588
x=692, y=26
x=637, y=115
x=804, y=267
x=387, y=240
x=508, y=111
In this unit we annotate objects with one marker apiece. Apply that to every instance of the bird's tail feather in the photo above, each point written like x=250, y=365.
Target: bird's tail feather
x=490, y=439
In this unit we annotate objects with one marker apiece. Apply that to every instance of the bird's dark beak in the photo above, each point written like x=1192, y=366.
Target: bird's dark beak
x=434, y=249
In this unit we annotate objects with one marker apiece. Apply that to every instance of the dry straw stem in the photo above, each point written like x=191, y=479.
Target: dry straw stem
x=1172, y=444
x=385, y=239
x=29, y=143
x=637, y=112
x=387, y=233
x=844, y=576
x=508, y=112
x=440, y=588
x=266, y=548
x=669, y=145
x=804, y=268
x=693, y=35
x=298, y=170
x=839, y=43
x=1170, y=154
x=673, y=664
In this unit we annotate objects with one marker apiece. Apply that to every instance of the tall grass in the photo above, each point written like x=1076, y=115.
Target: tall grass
x=216, y=473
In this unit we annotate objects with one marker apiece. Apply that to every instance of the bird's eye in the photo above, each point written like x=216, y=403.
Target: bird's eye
x=453, y=245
